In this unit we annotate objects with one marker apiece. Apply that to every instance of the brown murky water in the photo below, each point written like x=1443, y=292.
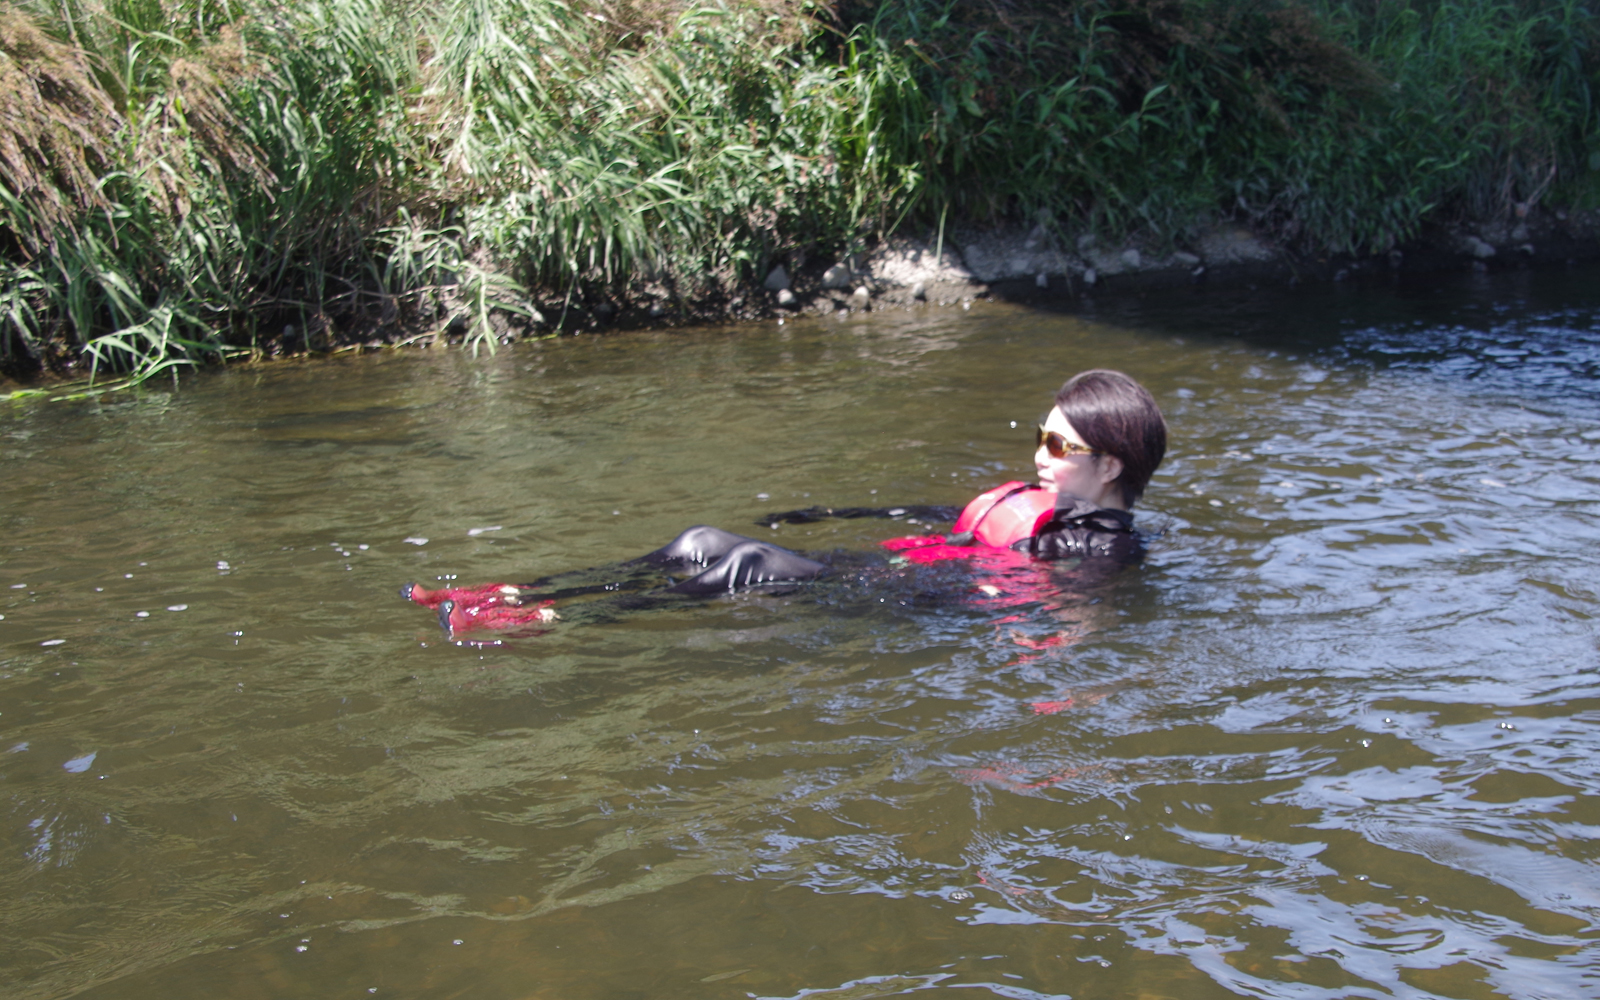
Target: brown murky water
x=1339, y=736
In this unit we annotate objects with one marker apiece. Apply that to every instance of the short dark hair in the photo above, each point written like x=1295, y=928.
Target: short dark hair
x=1116, y=415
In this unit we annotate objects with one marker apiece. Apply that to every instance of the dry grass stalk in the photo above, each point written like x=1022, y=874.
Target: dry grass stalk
x=638, y=23
x=57, y=130
x=193, y=127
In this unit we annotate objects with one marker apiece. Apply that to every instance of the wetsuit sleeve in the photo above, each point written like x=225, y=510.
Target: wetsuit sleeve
x=809, y=515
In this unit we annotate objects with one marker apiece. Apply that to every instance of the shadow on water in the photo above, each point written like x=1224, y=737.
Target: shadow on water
x=1530, y=331
x=1335, y=737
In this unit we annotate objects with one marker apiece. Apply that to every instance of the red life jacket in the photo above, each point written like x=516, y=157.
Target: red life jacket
x=1007, y=514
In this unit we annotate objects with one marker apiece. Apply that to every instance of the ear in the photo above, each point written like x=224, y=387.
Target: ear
x=1110, y=469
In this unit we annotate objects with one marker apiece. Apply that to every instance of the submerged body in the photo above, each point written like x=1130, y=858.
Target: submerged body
x=1025, y=523
x=1094, y=452
x=1036, y=522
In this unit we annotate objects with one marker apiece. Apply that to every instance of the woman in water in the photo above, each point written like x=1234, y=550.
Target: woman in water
x=1095, y=453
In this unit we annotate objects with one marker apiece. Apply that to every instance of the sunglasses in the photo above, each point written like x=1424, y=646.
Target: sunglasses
x=1060, y=447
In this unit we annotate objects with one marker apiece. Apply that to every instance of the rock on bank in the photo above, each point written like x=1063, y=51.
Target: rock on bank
x=1038, y=263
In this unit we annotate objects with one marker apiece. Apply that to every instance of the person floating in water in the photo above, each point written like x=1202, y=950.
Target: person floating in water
x=1095, y=452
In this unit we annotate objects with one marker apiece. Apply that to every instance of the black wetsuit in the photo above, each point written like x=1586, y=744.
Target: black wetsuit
x=1077, y=530
x=721, y=562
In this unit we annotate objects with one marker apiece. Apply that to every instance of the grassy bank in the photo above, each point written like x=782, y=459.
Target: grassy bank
x=182, y=179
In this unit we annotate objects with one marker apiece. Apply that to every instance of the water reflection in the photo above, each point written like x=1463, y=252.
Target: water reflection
x=1336, y=737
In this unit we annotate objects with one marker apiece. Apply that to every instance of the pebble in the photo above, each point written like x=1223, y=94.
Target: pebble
x=177, y=607
x=837, y=276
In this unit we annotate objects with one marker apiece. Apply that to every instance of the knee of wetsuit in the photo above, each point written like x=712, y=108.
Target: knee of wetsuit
x=751, y=564
x=700, y=544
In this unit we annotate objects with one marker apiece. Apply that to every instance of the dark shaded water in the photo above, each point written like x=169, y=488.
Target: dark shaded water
x=1339, y=736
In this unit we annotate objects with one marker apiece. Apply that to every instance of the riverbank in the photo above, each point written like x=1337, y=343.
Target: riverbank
x=1021, y=265
x=192, y=181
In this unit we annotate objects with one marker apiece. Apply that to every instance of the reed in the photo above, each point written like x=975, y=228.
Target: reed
x=185, y=179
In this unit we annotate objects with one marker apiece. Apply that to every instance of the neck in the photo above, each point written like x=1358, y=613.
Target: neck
x=1107, y=500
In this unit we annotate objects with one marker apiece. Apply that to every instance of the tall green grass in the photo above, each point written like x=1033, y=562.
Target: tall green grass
x=181, y=180
x=1335, y=125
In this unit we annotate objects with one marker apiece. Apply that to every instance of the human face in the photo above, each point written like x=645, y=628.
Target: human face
x=1087, y=476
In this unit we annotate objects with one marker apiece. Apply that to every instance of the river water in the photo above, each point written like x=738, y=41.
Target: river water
x=1338, y=736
